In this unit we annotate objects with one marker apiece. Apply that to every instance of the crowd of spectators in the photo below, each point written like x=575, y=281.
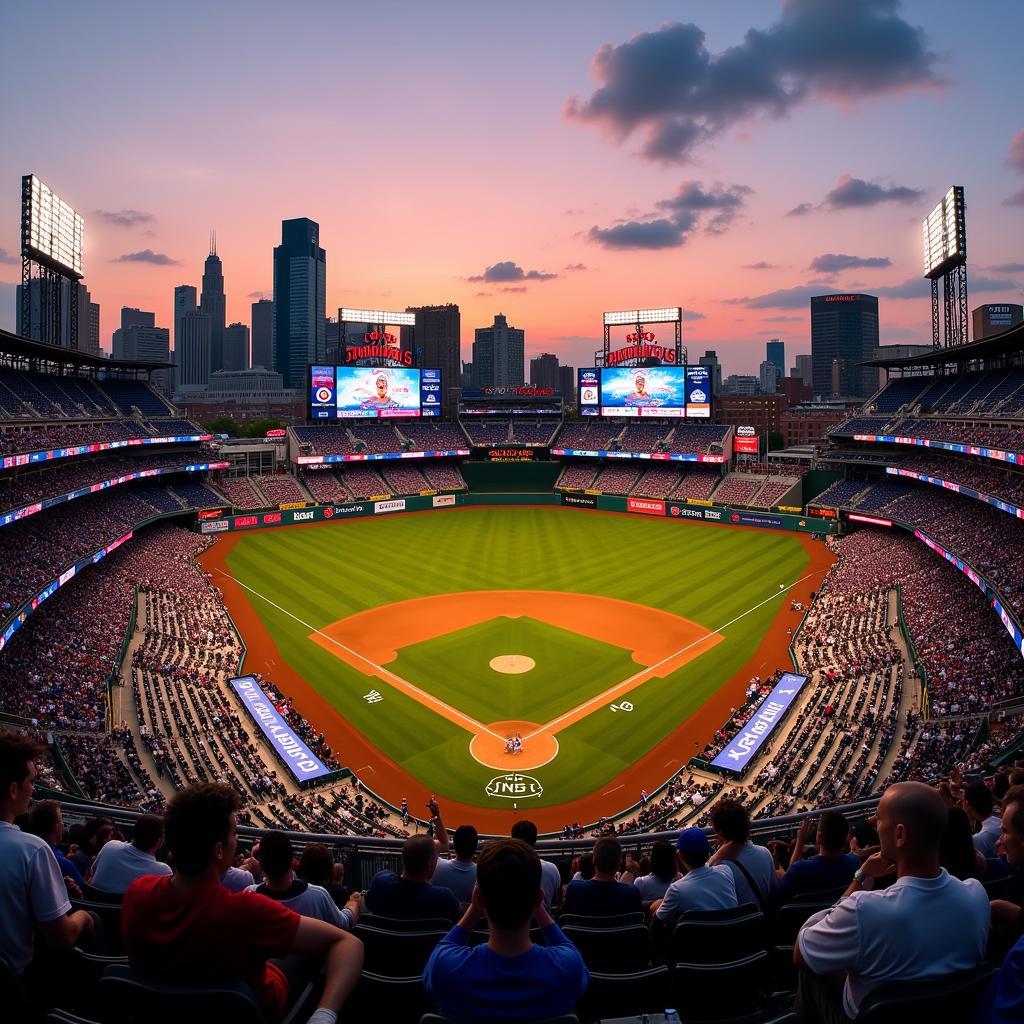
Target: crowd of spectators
x=589, y=435
x=577, y=475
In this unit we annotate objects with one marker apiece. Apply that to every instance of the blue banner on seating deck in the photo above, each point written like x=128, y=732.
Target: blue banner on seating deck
x=301, y=761
x=740, y=750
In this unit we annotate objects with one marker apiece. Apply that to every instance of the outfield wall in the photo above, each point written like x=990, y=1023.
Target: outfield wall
x=720, y=515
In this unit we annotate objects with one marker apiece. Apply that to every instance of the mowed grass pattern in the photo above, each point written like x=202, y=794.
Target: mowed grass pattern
x=569, y=669
x=709, y=574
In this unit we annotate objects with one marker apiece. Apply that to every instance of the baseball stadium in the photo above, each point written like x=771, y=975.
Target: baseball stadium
x=374, y=629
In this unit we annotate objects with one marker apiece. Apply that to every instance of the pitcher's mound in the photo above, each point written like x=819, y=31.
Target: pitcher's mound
x=512, y=664
x=488, y=748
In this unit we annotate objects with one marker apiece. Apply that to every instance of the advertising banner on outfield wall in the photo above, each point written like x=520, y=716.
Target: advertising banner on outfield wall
x=304, y=765
x=740, y=750
x=580, y=500
x=646, y=506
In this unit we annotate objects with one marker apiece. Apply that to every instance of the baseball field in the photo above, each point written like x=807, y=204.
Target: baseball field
x=426, y=645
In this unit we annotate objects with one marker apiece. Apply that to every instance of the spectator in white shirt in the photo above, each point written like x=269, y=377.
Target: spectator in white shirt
x=701, y=887
x=550, y=878
x=753, y=867
x=459, y=874
x=118, y=864
x=275, y=856
x=663, y=873
x=978, y=803
x=926, y=924
x=33, y=898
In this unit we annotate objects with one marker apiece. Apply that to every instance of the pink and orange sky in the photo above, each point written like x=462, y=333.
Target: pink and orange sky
x=549, y=161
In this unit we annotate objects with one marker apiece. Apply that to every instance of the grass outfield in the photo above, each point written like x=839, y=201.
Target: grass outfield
x=708, y=574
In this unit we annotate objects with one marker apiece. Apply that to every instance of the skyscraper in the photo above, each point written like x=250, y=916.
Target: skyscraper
x=120, y=344
x=92, y=337
x=263, y=334
x=775, y=352
x=768, y=374
x=300, y=300
x=844, y=332
x=710, y=359
x=192, y=349
x=567, y=384
x=498, y=354
x=212, y=303
x=544, y=371
x=803, y=369
x=236, y=347
x=438, y=335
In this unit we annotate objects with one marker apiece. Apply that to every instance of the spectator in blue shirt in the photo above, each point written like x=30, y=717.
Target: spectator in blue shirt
x=829, y=870
x=1003, y=1001
x=45, y=821
x=411, y=895
x=603, y=895
x=507, y=978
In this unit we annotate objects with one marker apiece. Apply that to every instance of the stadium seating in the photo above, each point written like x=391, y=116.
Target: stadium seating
x=376, y=438
x=428, y=436
x=590, y=435
x=444, y=476
x=241, y=492
x=738, y=489
x=329, y=439
x=487, y=431
x=617, y=478
x=577, y=475
x=325, y=486
x=363, y=481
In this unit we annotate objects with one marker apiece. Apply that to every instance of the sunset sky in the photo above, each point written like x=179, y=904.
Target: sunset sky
x=545, y=160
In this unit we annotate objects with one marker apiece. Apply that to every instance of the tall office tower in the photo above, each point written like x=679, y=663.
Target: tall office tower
x=212, y=303
x=300, y=301
x=544, y=371
x=184, y=302
x=769, y=377
x=130, y=317
x=567, y=384
x=263, y=334
x=438, y=334
x=844, y=328
x=334, y=341
x=92, y=337
x=803, y=370
x=236, y=347
x=192, y=349
x=775, y=352
x=710, y=359
x=498, y=354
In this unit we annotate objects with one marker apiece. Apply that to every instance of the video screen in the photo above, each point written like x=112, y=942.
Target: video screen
x=370, y=392
x=643, y=391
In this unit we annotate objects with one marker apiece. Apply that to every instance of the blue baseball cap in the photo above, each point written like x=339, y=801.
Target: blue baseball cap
x=693, y=843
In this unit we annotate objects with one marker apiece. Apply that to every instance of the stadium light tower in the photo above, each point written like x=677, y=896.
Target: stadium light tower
x=945, y=257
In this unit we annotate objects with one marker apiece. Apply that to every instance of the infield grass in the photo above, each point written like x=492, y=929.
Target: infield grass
x=709, y=574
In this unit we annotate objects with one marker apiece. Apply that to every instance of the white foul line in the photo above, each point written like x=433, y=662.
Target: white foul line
x=427, y=698
x=609, y=693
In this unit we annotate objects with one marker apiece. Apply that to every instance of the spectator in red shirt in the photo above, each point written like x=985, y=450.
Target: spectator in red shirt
x=189, y=927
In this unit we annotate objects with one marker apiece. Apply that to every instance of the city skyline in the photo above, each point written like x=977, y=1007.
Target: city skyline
x=562, y=189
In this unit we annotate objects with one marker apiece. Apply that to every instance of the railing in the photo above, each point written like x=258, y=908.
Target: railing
x=922, y=675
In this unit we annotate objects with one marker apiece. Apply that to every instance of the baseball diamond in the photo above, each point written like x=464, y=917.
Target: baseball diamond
x=385, y=630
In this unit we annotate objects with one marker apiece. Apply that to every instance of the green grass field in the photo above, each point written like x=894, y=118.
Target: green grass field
x=705, y=573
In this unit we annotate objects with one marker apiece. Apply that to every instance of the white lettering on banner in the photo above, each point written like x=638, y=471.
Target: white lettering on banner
x=441, y=500
x=299, y=517
x=397, y=505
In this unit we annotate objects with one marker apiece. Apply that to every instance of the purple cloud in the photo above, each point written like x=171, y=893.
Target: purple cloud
x=147, y=256
x=510, y=271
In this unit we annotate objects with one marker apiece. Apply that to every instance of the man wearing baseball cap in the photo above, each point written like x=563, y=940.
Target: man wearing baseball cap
x=701, y=887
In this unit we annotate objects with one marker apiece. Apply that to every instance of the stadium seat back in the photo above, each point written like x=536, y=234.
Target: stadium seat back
x=625, y=995
x=609, y=921
x=110, y=918
x=721, y=991
x=129, y=998
x=612, y=950
x=825, y=896
x=380, y=998
x=406, y=924
x=703, y=939
x=396, y=954
x=89, y=892
x=952, y=997
x=789, y=919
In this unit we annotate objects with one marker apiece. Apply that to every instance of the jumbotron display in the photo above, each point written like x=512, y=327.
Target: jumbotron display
x=676, y=391
x=372, y=392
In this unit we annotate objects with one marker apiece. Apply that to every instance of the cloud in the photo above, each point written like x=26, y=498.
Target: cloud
x=510, y=271
x=1007, y=268
x=1017, y=199
x=577, y=338
x=834, y=262
x=124, y=218
x=920, y=288
x=760, y=265
x=571, y=267
x=147, y=256
x=801, y=210
x=670, y=88
x=7, y=259
x=798, y=297
x=482, y=295
x=514, y=288
x=855, y=193
x=692, y=314
x=1015, y=157
x=782, y=319
x=980, y=283
x=689, y=207
x=260, y=294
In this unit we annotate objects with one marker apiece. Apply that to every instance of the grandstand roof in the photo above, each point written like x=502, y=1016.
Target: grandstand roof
x=1009, y=342
x=19, y=347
